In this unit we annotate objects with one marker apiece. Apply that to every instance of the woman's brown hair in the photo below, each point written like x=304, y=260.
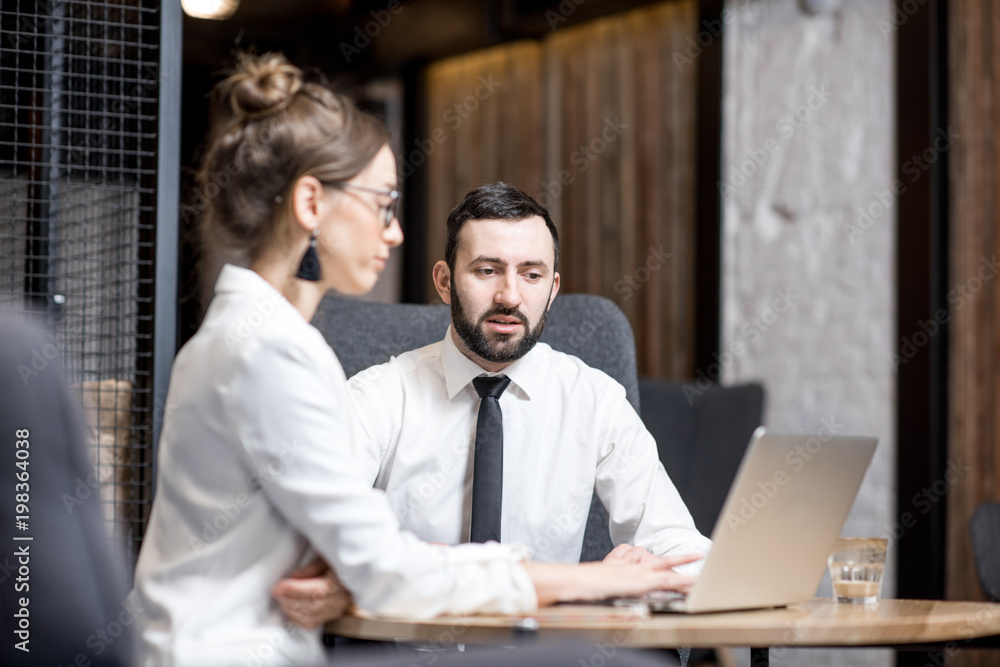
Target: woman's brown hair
x=275, y=128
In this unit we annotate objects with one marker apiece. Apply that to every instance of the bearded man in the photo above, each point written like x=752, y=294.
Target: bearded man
x=490, y=434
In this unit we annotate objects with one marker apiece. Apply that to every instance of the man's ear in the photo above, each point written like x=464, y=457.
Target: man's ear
x=442, y=280
x=555, y=290
x=307, y=196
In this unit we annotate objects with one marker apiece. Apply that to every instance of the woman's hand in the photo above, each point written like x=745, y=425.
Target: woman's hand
x=312, y=595
x=556, y=582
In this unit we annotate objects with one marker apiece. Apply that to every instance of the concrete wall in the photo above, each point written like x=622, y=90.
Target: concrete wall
x=808, y=287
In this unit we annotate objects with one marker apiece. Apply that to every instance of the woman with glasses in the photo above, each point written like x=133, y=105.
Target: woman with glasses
x=258, y=472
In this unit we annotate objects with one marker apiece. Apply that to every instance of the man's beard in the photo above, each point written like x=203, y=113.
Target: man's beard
x=503, y=349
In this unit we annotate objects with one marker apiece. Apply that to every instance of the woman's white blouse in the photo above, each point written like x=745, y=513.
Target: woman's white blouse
x=257, y=468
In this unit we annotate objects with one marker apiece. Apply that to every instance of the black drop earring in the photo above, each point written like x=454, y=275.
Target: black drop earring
x=309, y=268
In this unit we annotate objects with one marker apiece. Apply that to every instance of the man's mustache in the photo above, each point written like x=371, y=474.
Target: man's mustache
x=505, y=312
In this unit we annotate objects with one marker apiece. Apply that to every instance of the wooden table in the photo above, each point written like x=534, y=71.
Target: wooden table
x=819, y=623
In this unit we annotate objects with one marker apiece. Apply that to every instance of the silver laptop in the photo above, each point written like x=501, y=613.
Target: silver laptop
x=783, y=513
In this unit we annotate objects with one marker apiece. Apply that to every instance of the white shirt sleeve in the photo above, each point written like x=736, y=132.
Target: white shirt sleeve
x=377, y=407
x=293, y=417
x=644, y=506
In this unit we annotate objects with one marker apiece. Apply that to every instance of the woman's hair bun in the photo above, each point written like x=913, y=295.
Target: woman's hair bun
x=261, y=84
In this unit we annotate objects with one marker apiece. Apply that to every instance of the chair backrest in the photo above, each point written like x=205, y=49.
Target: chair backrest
x=701, y=435
x=985, y=531
x=590, y=327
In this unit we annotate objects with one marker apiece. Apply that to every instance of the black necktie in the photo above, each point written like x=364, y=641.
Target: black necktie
x=487, y=474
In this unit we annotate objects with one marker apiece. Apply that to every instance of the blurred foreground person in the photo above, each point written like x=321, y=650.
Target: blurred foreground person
x=62, y=594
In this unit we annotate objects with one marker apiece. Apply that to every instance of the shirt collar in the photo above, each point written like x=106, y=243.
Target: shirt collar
x=239, y=280
x=459, y=370
x=248, y=283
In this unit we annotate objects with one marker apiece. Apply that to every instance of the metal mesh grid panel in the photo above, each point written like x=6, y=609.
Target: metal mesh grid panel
x=78, y=131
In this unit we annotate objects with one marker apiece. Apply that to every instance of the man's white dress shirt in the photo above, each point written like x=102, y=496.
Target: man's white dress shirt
x=568, y=429
x=257, y=467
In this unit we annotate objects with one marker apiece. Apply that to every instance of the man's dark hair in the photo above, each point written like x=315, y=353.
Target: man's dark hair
x=495, y=201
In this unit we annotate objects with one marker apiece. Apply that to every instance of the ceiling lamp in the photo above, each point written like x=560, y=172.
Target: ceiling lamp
x=210, y=9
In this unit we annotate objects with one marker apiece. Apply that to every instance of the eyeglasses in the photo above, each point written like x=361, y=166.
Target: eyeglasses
x=388, y=211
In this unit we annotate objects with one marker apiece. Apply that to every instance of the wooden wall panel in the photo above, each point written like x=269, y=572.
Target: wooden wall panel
x=974, y=375
x=598, y=124
x=633, y=193
x=496, y=138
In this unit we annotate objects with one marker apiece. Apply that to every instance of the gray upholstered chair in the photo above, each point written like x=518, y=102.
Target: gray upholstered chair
x=590, y=327
x=701, y=435
x=985, y=530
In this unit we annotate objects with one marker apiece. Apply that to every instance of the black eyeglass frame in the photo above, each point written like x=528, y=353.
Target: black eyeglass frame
x=388, y=211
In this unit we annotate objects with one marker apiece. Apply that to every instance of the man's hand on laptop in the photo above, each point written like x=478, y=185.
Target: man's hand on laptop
x=312, y=595
x=658, y=570
x=558, y=582
x=625, y=553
